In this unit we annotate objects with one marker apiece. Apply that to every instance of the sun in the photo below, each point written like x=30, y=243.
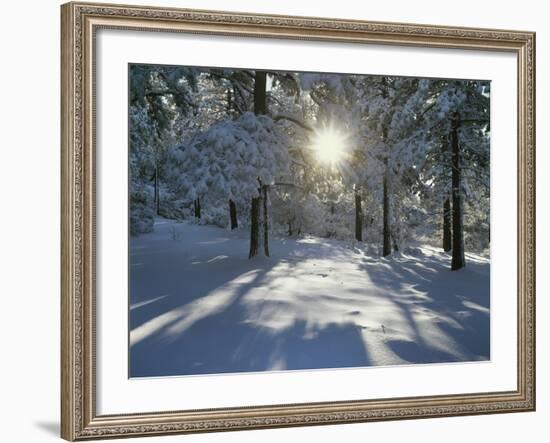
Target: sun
x=330, y=145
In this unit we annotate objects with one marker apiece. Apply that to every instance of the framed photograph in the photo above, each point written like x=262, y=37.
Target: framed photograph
x=283, y=221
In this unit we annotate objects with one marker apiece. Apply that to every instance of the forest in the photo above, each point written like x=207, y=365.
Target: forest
x=378, y=159
x=326, y=219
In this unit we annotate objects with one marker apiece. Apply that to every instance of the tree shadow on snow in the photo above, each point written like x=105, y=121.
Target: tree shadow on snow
x=206, y=309
x=244, y=347
x=447, y=311
x=188, y=313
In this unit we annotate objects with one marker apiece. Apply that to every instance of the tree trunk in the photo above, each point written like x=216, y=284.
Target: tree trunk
x=358, y=216
x=386, y=250
x=260, y=107
x=290, y=228
x=458, y=261
x=394, y=236
x=233, y=214
x=197, y=206
x=447, y=245
x=254, y=227
x=395, y=246
x=266, y=221
x=386, y=234
x=157, y=191
x=260, y=95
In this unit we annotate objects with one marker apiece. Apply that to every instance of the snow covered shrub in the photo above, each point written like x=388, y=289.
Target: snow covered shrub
x=142, y=216
x=476, y=229
x=215, y=215
x=173, y=208
x=295, y=213
x=311, y=215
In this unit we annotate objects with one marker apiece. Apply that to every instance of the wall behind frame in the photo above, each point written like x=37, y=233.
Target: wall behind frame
x=29, y=220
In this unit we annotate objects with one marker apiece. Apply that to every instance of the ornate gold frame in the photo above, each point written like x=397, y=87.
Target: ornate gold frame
x=79, y=21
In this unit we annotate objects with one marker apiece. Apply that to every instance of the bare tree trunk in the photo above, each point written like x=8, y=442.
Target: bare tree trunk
x=260, y=95
x=447, y=240
x=386, y=233
x=386, y=250
x=447, y=211
x=197, y=207
x=260, y=107
x=254, y=227
x=157, y=191
x=458, y=260
x=358, y=216
x=233, y=214
x=289, y=228
x=266, y=221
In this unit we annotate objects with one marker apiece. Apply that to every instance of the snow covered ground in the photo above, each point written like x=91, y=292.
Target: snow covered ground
x=198, y=305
